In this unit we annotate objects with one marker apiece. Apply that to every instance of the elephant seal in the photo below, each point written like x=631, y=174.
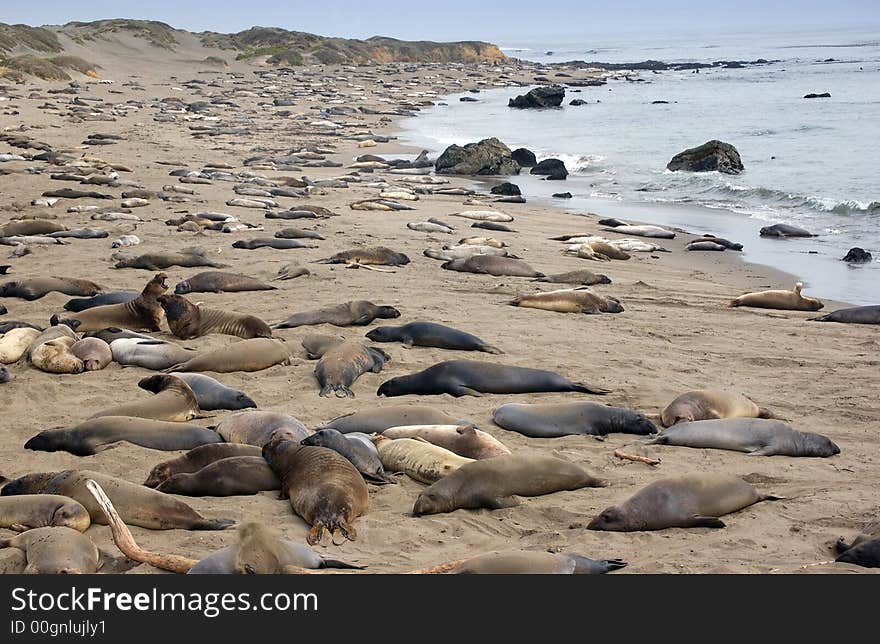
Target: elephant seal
x=341, y=362
x=270, y=242
x=187, y=321
x=689, y=501
x=704, y=245
x=96, y=434
x=233, y=476
x=371, y=255
x=583, y=277
x=297, y=233
x=212, y=394
x=491, y=225
x=785, y=230
x=377, y=420
x=143, y=312
x=535, y=563
x=161, y=261
x=148, y=353
x=709, y=404
x=255, y=354
x=576, y=300
x=492, y=265
x=174, y=401
x=56, y=551
x=493, y=483
x=429, y=334
x=417, y=458
x=6, y=327
x=471, y=378
x=464, y=440
x=721, y=242
x=324, y=488
x=114, y=297
x=261, y=551
x=866, y=554
x=112, y=333
x=853, y=315
x=5, y=376
x=15, y=343
x=755, y=436
x=356, y=313
x=136, y=504
x=366, y=460
x=258, y=427
x=42, y=511
x=197, y=458
x=552, y=420
x=30, y=227
x=785, y=300
x=219, y=282
x=655, y=232
x=34, y=288
x=54, y=356
x=94, y=353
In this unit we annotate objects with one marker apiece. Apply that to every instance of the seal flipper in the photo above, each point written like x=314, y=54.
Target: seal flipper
x=764, y=451
x=213, y=524
x=588, y=389
x=698, y=521
x=335, y=563
x=460, y=390
x=500, y=503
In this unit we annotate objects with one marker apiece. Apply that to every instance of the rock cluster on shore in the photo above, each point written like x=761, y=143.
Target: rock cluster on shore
x=540, y=97
x=487, y=157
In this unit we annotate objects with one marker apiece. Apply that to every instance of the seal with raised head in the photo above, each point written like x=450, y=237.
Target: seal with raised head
x=220, y=282
x=853, y=315
x=147, y=353
x=34, y=288
x=197, y=458
x=212, y=394
x=324, y=488
x=471, y=378
x=355, y=313
x=113, y=297
x=492, y=265
x=710, y=404
x=776, y=299
x=96, y=434
x=56, y=551
x=377, y=420
x=258, y=427
x=551, y=420
x=341, y=362
x=233, y=476
x=689, y=501
x=495, y=483
x=187, y=321
x=464, y=440
x=255, y=354
x=174, y=401
x=370, y=255
x=582, y=277
x=535, y=563
x=570, y=300
x=143, y=312
x=366, y=460
x=430, y=334
x=42, y=511
x=136, y=504
x=755, y=436
x=417, y=458
x=94, y=353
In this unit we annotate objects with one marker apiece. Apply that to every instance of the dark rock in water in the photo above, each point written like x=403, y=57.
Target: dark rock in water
x=554, y=169
x=469, y=99
x=540, y=97
x=659, y=102
x=506, y=188
x=474, y=91
x=526, y=158
x=711, y=156
x=488, y=157
x=562, y=195
x=577, y=102
x=858, y=255
x=822, y=95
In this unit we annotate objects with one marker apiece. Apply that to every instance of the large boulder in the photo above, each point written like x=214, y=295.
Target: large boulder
x=489, y=156
x=554, y=169
x=507, y=189
x=711, y=156
x=525, y=157
x=858, y=255
x=548, y=96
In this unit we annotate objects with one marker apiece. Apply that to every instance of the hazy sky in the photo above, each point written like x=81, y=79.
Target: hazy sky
x=512, y=21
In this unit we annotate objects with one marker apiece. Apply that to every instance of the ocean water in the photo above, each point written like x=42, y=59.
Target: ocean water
x=809, y=162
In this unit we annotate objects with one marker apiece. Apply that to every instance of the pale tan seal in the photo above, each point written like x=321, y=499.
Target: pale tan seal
x=569, y=300
x=786, y=300
x=709, y=404
x=174, y=401
x=15, y=342
x=464, y=440
x=55, y=356
x=42, y=511
x=255, y=354
x=417, y=458
x=56, y=551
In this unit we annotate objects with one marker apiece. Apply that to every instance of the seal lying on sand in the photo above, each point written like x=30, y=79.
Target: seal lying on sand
x=787, y=300
x=186, y=320
x=56, y=551
x=55, y=356
x=565, y=419
x=493, y=483
x=233, y=476
x=148, y=353
x=575, y=300
x=429, y=334
x=358, y=312
x=864, y=550
x=34, y=288
x=174, y=401
x=255, y=354
x=366, y=460
x=464, y=440
x=377, y=420
x=853, y=315
x=583, y=277
x=535, y=563
x=258, y=427
x=94, y=353
x=417, y=458
x=42, y=511
x=219, y=282
x=709, y=404
x=161, y=261
x=341, y=362
x=212, y=394
x=471, y=378
x=755, y=436
x=143, y=312
x=492, y=265
x=690, y=501
x=374, y=255
x=15, y=342
x=197, y=458
x=137, y=505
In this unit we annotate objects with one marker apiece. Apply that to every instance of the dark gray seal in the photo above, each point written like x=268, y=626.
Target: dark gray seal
x=853, y=315
x=220, y=282
x=358, y=312
x=5, y=376
x=212, y=394
x=430, y=334
x=233, y=476
x=270, y=242
x=366, y=460
x=471, y=378
x=755, y=436
x=535, y=563
x=113, y=297
x=785, y=230
x=565, y=419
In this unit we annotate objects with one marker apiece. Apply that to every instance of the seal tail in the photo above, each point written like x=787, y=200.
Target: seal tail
x=589, y=389
x=821, y=318
x=771, y=497
x=515, y=301
x=213, y=524
x=488, y=348
x=765, y=413
x=335, y=563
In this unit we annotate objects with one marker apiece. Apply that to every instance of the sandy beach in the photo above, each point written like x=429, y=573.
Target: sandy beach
x=676, y=334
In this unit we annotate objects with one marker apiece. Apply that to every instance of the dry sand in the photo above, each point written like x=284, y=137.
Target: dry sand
x=675, y=335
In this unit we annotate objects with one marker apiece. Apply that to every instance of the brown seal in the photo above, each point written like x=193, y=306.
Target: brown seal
x=94, y=353
x=709, y=404
x=56, y=551
x=492, y=265
x=341, y=362
x=358, y=312
x=197, y=458
x=36, y=287
x=161, y=261
x=42, y=511
x=786, y=300
x=232, y=476
x=570, y=300
x=372, y=255
x=258, y=427
x=255, y=354
x=494, y=483
x=220, y=282
x=584, y=278
x=186, y=320
x=174, y=401
x=324, y=488
x=30, y=227
x=143, y=312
